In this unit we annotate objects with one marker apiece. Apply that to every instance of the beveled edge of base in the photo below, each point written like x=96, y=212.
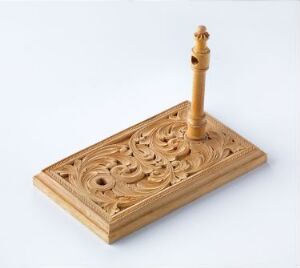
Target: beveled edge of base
x=69, y=207
x=161, y=211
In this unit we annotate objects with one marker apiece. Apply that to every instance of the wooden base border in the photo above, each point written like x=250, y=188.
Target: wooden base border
x=109, y=237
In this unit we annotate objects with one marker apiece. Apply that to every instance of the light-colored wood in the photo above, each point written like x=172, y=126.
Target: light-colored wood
x=142, y=173
x=200, y=63
x=70, y=206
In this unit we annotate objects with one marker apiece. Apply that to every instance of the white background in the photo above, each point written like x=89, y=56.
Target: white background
x=72, y=74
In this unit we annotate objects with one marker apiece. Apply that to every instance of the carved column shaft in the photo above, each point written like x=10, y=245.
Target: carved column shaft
x=200, y=64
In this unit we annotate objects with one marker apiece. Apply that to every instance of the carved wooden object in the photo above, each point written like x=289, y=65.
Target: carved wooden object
x=140, y=174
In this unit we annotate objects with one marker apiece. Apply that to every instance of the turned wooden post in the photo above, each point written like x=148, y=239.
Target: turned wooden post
x=200, y=63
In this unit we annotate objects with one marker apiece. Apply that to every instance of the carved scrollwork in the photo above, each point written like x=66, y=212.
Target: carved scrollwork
x=155, y=157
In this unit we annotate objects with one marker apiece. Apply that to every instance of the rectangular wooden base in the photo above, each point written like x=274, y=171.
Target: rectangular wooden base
x=138, y=175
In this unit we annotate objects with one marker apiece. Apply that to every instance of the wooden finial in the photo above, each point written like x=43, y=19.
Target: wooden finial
x=200, y=63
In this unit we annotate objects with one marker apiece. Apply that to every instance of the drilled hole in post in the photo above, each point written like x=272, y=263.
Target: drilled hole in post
x=194, y=60
x=101, y=182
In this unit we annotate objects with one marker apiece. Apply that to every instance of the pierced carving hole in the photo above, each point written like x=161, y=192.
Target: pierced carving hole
x=164, y=139
x=101, y=182
x=65, y=176
x=194, y=60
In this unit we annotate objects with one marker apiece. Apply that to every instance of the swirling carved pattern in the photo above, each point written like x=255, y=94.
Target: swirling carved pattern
x=156, y=156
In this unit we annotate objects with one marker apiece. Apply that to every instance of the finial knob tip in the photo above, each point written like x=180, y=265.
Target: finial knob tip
x=201, y=33
x=201, y=29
